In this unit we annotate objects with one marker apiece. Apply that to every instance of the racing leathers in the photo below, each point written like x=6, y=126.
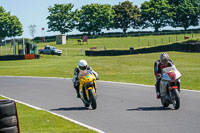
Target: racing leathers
x=75, y=79
x=158, y=66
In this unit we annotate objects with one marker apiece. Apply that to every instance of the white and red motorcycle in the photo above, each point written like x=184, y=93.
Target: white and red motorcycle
x=170, y=87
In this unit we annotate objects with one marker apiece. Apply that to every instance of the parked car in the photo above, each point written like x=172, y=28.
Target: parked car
x=50, y=50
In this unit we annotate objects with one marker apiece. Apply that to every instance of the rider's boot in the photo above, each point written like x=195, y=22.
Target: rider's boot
x=157, y=95
x=157, y=90
x=82, y=98
x=78, y=94
x=77, y=91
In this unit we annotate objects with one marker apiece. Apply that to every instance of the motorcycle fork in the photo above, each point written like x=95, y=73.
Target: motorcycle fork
x=84, y=95
x=171, y=87
x=87, y=93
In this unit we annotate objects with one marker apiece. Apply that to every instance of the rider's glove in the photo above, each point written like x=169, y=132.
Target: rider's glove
x=158, y=76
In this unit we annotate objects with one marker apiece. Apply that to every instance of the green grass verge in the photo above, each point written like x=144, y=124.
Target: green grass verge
x=131, y=68
x=38, y=121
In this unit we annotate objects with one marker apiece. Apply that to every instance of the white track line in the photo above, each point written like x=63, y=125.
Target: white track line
x=67, y=118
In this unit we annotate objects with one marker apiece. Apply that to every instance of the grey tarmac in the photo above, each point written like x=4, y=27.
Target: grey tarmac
x=121, y=108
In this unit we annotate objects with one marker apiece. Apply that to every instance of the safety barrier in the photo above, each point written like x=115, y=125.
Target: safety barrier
x=181, y=47
x=29, y=56
x=19, y=57
x=9, y=122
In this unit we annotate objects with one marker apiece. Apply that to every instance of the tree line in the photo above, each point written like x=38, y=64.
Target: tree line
x=93, y=18
x=156, y=14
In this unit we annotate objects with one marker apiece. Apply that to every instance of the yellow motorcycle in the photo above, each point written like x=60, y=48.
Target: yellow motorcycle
x=87, y=88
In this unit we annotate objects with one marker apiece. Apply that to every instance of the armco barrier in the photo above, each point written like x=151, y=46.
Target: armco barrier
x=181, y=47
x=9, y=122
x=11, y=57
x=19, y=57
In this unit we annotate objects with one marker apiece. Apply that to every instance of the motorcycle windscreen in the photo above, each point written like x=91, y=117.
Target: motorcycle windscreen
x=172, y=72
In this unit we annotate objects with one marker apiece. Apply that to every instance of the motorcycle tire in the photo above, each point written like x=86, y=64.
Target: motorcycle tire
x=92, y=99
x=86, y=105
x=164, y=103
x=176, y=101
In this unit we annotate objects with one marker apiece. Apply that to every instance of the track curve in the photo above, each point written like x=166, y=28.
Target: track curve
x=121, y=108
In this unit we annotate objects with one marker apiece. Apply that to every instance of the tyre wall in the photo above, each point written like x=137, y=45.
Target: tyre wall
x=9, y=122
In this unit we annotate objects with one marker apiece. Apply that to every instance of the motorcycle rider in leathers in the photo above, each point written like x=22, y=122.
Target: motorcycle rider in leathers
x=82, y=65
x=163, y=62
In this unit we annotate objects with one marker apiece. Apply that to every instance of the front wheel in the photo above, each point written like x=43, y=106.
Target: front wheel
x=176, y=101
x=86, y=105
x=92, y=99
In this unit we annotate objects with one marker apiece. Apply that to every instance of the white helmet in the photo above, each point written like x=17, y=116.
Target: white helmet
x=82, y=64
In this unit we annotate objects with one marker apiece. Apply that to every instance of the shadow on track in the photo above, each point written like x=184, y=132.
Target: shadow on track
x=149, y=109
x=70, y=109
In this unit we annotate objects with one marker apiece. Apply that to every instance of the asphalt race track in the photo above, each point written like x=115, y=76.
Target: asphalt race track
x=121, y=108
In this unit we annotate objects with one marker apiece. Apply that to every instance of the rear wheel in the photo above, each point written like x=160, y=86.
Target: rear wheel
x=164, y=102
x=176, y=101
x=92, y=99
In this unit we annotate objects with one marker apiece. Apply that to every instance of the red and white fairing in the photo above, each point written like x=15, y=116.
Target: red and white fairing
x=169, y=75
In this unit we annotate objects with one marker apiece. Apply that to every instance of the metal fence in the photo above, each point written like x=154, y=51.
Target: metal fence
x=6, y=48
x=11, y=46
x=192, y=33
x=139, y=39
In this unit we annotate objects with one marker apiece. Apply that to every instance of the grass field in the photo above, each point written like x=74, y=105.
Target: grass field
x=112, y=43
x=127, y=42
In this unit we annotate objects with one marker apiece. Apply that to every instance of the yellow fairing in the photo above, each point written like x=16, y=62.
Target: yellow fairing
x=86, y=77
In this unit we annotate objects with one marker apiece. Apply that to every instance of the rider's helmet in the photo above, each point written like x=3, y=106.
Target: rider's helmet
x=82, y=64
x=164, y=58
